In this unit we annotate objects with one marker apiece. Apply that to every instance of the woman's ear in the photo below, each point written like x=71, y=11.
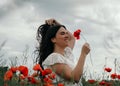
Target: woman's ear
x=53, y=40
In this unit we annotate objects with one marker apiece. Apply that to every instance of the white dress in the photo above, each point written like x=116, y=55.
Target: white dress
x=67, y=58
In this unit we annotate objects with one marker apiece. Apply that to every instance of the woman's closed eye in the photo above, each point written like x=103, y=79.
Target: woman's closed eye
x=63, y=33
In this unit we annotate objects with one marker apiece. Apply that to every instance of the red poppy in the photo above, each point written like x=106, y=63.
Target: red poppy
x=46, y=72
x=47, y=80
x=29, y=78
x=77, y=34
x=23, y=70
x=60, y=84
x=118, y=76
x=37, y=67
x=8, y=75
x=102, y=83
x=108, y=69
x=32, y=80
x=13, y=69
x=52, y=76
x=114, y=76
x=91, y=81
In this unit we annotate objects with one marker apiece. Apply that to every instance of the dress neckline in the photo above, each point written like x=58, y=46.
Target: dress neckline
x=59, y=54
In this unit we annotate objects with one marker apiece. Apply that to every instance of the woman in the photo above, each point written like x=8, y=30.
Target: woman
x=55, y=51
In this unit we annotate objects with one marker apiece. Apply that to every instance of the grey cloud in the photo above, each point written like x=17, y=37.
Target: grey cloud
x=6, y=9
x=111, y=42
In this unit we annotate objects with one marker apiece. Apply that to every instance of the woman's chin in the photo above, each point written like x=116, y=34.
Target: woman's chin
x=66, y=45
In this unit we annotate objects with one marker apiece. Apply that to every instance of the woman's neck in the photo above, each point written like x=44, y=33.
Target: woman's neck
x=59, y=50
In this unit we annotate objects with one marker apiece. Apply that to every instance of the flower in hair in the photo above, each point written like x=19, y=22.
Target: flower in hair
x=77, y=34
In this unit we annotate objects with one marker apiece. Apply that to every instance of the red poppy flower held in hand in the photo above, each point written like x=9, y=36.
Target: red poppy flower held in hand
x=108, y=69
x=23, y=70
x=77, y=34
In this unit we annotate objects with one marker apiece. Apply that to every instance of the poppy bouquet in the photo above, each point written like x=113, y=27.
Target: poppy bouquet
x=18, y=76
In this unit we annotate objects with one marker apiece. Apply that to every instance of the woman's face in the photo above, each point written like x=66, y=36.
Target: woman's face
x=61, y=38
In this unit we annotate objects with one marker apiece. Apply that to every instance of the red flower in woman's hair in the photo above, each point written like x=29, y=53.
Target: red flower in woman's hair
x=77, y=34
x=8, y=75
x=114, y=76
x=91, y=81
x=23, y=70
x=108, y=69
x=37, y=67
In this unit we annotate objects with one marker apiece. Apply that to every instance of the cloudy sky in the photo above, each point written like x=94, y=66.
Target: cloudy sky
x=98, y=20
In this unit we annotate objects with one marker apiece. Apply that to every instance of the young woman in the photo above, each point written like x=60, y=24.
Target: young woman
x=55, y=51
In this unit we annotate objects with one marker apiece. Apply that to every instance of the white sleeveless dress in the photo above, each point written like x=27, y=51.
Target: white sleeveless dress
x=68, y=59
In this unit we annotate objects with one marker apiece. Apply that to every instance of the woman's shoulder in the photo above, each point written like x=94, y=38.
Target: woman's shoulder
x=54, y=54
x=54, y=58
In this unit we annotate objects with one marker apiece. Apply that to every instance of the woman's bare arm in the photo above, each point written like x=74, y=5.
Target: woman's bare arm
x=71, y=40
x=67, y=72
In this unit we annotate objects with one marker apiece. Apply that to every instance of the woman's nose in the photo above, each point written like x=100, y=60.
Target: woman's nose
x=66, y=35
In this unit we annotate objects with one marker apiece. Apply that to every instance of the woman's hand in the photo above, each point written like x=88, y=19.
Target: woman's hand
x=52, y=22
x=85, y=49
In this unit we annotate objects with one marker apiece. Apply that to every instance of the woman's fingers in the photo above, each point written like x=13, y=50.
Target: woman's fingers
x=86, y=48
x=51, y=22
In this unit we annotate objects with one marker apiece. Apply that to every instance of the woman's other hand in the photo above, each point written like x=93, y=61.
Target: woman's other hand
x=52, y=21
x=85, y=49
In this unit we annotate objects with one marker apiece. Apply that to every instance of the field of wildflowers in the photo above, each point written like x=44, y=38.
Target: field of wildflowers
x=19, y=76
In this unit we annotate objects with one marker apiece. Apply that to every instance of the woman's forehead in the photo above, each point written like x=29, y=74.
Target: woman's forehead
x=62, y=29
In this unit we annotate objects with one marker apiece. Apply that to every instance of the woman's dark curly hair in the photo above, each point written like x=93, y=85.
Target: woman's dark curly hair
x=44, y=35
